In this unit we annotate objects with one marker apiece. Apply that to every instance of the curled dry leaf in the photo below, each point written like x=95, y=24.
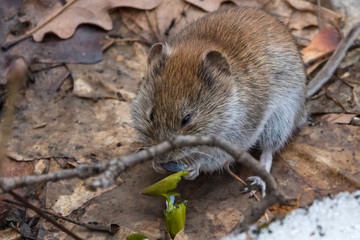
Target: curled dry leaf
x=89, y=12
x=323, y=43
x=340, y=95
x=328, y=16
x=213, y=5
x=183, y=14
x=159, y=25
x=302, y=18
x=280, y=9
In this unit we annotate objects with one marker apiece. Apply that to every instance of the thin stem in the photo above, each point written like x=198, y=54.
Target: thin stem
x=29, y=33
x=43, y=215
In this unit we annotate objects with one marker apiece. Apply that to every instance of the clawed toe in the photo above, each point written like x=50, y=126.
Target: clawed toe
x=259, y=182
x=193, y=172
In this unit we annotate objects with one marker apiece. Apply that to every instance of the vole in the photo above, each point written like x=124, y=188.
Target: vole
x=236, y=73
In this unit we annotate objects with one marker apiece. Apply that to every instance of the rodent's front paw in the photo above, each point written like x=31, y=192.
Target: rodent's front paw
x=258, y=181
x=193, y=172
x=158, y=167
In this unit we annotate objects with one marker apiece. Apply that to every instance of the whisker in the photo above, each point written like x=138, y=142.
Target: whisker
x=202, y=153
x=137, y=148
x=133, y=139
x=189, y=157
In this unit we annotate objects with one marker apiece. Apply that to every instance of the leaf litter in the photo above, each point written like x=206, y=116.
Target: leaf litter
x=86, y=119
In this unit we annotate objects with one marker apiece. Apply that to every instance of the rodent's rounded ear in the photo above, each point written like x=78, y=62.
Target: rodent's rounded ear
x=215, y=61
x=158, y=50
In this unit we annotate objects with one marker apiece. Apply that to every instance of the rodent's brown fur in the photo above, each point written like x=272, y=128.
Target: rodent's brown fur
x=236, y=72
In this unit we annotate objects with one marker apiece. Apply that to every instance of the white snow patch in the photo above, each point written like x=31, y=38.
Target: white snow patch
x=326, y=219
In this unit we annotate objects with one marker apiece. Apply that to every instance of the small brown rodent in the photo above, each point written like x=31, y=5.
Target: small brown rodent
x=236, y=73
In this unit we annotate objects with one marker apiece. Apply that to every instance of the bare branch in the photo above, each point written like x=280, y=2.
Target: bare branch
x=112, y=169
x=240, y=156
x=82, y=171
x=319, y=14
x=330, y=67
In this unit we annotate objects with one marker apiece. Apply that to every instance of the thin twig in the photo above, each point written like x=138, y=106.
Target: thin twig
x=319, y=14
x=227, y=168
x=43, y=215
x=330, y=67
x=112, y=228
x=56, y=86
x=112, y=169
x=29, y=33
x=128, y=40
x=82, y=171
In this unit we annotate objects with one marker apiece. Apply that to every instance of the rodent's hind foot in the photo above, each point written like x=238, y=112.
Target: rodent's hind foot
x=194, y=171
x=259, y=182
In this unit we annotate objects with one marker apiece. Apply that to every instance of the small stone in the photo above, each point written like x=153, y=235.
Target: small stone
x=41, y=166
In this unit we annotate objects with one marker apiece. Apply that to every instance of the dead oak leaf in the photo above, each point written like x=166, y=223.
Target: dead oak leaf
x=329, y=17
x=88, y=12
x=324, y=42
x=213, y=5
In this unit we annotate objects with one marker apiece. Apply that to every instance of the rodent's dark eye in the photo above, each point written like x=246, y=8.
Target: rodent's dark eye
x=185, y=120
x=151, y=115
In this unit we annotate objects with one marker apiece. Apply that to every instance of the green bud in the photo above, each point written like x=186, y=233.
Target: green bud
x=165, y=185
x=137, y=236
x=175, y=215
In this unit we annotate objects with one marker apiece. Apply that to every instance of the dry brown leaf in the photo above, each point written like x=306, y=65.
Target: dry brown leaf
x=109, y=78
x=323, y=43
x=68, y=195
x=351, y=11
x=75, y=128
x=325, y=158
x=35, y=12
x=341, y=118
x=182, y=15
x=280, y=9
x=294, y=19
x=302, y=19
x=135, y=20
x=340, y=95
x=10, y=234
x=89, y=12
x=351, y=58
x=181, y=236
x=328, y=16
x=11, y=168
x=158, y=25
x=86, y=46
x=212, y=5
